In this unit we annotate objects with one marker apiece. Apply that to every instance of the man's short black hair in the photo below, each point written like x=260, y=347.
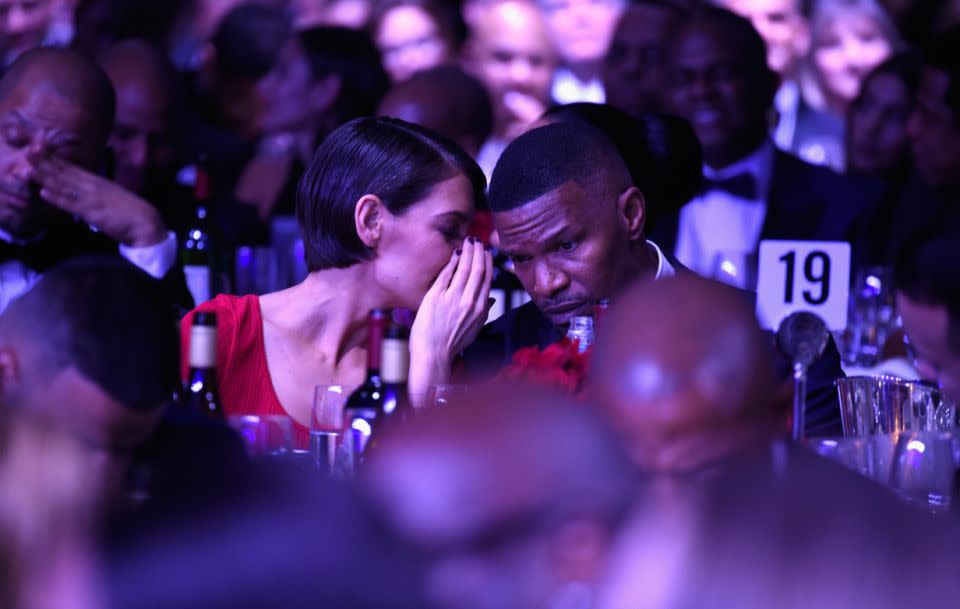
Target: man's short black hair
x=73, y=76
x=250, y=39
x=944, y=54
x=545, y=158
x=110, y=321
x=928, y=272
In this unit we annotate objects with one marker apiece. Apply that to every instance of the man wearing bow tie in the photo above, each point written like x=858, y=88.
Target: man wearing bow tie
x=719, y=81
x=56, y=112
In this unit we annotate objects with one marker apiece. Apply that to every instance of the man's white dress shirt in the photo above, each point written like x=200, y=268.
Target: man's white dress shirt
x=16, y=278
x=718, y=226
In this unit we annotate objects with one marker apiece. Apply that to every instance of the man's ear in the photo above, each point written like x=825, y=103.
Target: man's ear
x=369, y=216
x=325, y=92
x=632, y=211
x=9, y=371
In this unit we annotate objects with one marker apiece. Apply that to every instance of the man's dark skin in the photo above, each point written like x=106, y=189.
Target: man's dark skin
x=142, y=135
x=724, y=95
x=702, y=385
x=579, y=243
x=56, y=112
x=54, y=130
x=511, y=492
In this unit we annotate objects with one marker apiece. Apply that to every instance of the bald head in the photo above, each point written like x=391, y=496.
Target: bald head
x=444, y=100
x=511, y=491
x=686, y=372
x=511, y=53
x=502, y=451
x=69, y=76
x=145, y=86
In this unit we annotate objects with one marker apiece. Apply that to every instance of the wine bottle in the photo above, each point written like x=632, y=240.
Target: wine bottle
x=200, y=391
x=196, y=250
x=581, y=330
x=364, y=407
x=395, y=370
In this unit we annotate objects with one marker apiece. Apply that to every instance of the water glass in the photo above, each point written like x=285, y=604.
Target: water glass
x=264, y=436
x=330, y=452
x=871, y=316
x=871, y=405
x=924, y=465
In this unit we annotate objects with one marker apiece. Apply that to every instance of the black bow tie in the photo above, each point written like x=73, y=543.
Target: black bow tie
x=742, y=185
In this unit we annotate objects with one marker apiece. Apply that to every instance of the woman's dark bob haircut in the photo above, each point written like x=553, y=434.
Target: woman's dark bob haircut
x=399, y=162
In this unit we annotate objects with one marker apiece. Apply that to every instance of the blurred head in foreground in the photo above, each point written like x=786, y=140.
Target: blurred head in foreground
x=686, y=374
x=823, y=537
x=93, y=348
x=281, y=539
x=511, y=495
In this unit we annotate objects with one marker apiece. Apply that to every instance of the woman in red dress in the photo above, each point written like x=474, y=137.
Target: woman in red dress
x=384, y=207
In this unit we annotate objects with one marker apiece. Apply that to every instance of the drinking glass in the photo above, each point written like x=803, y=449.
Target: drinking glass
x=330, y=452
x=871, y=405
x=264, y=436
x=871, y=316
x=924, y=464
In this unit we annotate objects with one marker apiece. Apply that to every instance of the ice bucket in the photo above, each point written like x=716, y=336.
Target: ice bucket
x=871, y=405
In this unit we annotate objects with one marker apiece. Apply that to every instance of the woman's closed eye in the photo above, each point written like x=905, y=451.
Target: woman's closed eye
x=453, y=233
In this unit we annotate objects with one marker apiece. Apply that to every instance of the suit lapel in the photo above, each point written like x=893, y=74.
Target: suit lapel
x=792, y=204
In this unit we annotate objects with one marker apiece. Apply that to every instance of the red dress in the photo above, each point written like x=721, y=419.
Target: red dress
x=242, y=374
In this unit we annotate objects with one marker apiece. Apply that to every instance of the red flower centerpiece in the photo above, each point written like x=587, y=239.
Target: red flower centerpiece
x=560, y=365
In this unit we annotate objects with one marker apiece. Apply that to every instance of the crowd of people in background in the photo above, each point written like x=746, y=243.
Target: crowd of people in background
x=634, y=152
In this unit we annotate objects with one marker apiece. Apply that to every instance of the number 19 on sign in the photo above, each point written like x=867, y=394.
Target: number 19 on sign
x=803, y=276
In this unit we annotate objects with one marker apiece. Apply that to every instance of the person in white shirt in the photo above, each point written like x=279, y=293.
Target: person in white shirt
x=581, y=31
x=719, y=81
x=56, y=113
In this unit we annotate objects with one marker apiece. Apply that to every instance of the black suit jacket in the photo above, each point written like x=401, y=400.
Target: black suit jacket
x=66, y=239
x=526, y=326
x=808, y=202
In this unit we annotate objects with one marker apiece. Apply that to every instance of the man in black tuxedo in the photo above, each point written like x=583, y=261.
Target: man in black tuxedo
x=57, y=111
x=719, y=81
x=570, y=218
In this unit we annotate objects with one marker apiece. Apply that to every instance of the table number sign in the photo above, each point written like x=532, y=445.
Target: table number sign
x=809, y=276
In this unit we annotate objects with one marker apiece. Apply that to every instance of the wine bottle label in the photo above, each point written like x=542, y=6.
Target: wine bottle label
x=198, y=282
x=203, y=347
x=395, y=366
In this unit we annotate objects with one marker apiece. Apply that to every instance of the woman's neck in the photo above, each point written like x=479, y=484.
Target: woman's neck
x=329, y=309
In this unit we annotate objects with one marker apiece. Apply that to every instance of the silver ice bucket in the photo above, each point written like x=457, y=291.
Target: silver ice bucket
x=871, y=405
